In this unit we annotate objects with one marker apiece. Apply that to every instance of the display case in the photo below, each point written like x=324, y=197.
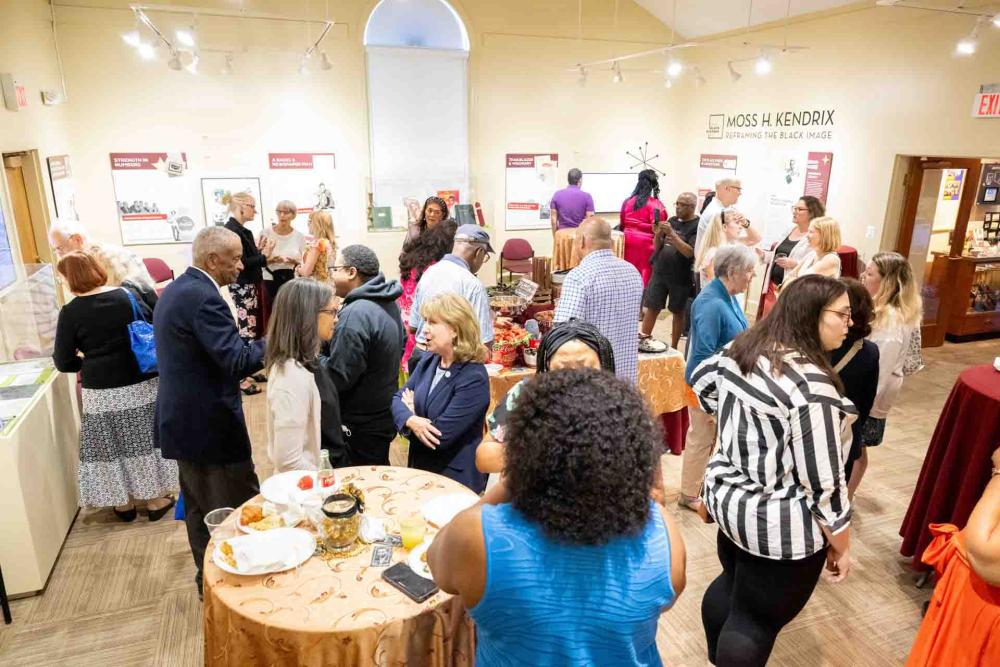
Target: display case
x=39, y=433
x=967, y=295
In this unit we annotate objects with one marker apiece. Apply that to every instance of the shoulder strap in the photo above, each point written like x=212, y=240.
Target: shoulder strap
x=850, y=355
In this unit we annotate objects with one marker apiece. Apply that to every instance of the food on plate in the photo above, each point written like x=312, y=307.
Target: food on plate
x=226, y=549
x=251, y=514
x=306, y=482
x=267, y=523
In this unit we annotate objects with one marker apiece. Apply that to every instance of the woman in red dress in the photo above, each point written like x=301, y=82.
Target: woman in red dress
x=638, y=214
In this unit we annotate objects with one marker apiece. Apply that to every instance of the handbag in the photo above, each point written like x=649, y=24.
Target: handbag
x=140, y=333
x=913, y=360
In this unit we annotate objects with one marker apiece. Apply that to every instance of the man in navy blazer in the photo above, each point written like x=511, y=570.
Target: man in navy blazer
x=199, y=411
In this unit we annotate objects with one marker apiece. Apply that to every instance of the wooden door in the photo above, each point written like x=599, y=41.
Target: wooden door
x=22, y=213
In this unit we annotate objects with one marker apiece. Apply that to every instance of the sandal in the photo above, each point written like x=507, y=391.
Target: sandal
x=250, y=390
x=128, y=516
x=689, y=503
x=259, y=377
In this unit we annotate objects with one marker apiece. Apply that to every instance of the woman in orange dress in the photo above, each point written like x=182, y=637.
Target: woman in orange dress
x=962, y=625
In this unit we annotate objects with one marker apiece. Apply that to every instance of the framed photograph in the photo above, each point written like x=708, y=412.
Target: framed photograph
x=990, y=195
x=216, y=194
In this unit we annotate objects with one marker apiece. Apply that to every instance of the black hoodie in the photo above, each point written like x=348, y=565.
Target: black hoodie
x=365, y=352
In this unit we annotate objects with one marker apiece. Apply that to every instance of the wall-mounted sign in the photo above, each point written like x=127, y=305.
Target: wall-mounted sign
x=818, y=167
x=63, y=192
x=987, y=102
x=307, y=179
x=531, y=182
x=155, y=197
x=780, y=125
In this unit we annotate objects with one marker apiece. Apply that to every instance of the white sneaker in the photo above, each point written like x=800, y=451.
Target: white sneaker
x=650, y=345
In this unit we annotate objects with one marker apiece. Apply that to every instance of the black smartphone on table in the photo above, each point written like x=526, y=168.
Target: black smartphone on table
x=409, y=582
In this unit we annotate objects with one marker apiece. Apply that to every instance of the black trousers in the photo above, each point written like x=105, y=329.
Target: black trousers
x=747, y=605
x=279, y=278
x=368, y=442
x=207, y=487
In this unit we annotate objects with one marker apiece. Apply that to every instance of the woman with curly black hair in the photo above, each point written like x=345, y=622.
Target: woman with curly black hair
x=581, y=561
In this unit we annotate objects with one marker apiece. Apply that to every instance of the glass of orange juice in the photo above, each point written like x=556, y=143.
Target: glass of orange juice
x=412, y=529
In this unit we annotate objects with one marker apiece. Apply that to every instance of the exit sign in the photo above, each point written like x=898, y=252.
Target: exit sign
x=21, y=95
x=987, y=102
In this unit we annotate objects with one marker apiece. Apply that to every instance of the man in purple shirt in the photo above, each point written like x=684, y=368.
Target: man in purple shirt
x=570, y=205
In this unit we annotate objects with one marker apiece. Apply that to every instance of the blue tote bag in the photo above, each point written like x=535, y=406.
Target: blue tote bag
x=140, y=333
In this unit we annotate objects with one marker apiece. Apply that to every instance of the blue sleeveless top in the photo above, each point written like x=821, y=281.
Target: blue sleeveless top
x=550, y=603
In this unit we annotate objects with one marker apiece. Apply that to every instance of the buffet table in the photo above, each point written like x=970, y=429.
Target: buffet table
x=338, y=611
x=661, y=381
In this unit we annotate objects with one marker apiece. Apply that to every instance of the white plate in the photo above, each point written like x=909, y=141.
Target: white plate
x=417, y=565
x=494, y=369
x=250, y=531
x=441, y=510
x=297, y=547
x=283, y=489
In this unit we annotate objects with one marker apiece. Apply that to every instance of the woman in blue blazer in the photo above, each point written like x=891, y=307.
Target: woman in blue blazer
x=443, y=406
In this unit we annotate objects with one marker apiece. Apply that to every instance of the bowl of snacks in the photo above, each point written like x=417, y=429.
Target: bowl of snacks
x=508, y=304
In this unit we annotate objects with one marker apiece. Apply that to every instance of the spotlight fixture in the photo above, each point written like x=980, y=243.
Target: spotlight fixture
x=324, y=62
x=185, y=36
x=175, y=61
x=192, y=67
x=733, y=74
x=132, y=38
x=763, y=65
x=996, y=20
x=699, y=80
x=581, y=78
x=668, y=84
x=146, y=51
x=674, y=69
x=967, y=46
x=617, y=76
x=227, y=67
x=302, y=65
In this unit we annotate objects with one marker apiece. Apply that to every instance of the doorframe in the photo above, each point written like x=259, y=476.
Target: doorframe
x=34, y=187
x=912, y=182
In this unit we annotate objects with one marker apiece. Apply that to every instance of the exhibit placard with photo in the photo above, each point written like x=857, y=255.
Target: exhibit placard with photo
x=63, y=190
x=531, y=180
x=155, y=197
x=308, y=180
x=216, y=194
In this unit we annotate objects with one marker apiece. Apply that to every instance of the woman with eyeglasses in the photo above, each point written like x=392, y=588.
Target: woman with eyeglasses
x=787, y=254
x=302, y=416
x=288, y=246
x=246, y=299
x=776, y=485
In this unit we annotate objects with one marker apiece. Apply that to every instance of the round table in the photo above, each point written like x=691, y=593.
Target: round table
x=661, y=382
x=957, y=465
x=564, y=254
x=338, y=611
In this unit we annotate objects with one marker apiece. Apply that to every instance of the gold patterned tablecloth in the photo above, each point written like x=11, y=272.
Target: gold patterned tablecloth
x=661, y=381
x=338, y=612
x=564, y=255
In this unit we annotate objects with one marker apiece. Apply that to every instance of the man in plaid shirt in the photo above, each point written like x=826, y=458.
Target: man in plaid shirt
x=607, y=292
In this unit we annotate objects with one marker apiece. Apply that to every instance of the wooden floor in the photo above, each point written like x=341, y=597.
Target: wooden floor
x=123, y=594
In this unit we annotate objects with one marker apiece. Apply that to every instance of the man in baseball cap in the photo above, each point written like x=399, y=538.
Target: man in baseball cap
x=456, y=272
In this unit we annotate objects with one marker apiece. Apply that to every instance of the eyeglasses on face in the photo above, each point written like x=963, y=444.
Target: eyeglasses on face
x=738, y=188
x=328, y=311
x=844, y=315
x=800, y=208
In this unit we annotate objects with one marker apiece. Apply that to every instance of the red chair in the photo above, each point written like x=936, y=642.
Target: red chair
x=158, y=271
x=848, y=262
x=515, y=257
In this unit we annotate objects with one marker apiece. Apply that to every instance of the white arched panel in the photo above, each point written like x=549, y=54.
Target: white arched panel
x=426, y=24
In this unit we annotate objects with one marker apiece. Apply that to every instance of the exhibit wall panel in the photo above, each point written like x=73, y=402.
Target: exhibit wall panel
x=893, y=82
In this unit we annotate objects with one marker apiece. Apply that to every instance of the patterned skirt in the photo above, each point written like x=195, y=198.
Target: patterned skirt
x=246, y=302
x=117, y=457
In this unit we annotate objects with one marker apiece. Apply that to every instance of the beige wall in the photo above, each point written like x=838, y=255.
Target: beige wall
x=895, y=84
x=889, y=73
x=229, y=124
x=27, y=51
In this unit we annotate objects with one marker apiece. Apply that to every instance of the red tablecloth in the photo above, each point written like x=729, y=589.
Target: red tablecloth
x=957, y=464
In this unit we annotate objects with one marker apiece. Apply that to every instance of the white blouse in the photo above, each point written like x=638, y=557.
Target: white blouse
x=893, y=342
x=293, y=418
x=288, y=245
x=805, y=268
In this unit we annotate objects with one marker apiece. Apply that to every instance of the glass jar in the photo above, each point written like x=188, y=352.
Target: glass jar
x=341, y=522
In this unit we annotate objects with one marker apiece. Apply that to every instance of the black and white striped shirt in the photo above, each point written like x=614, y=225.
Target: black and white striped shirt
x=778, y=471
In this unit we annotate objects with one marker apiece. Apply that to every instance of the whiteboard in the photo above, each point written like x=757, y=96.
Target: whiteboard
x=609, y=190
